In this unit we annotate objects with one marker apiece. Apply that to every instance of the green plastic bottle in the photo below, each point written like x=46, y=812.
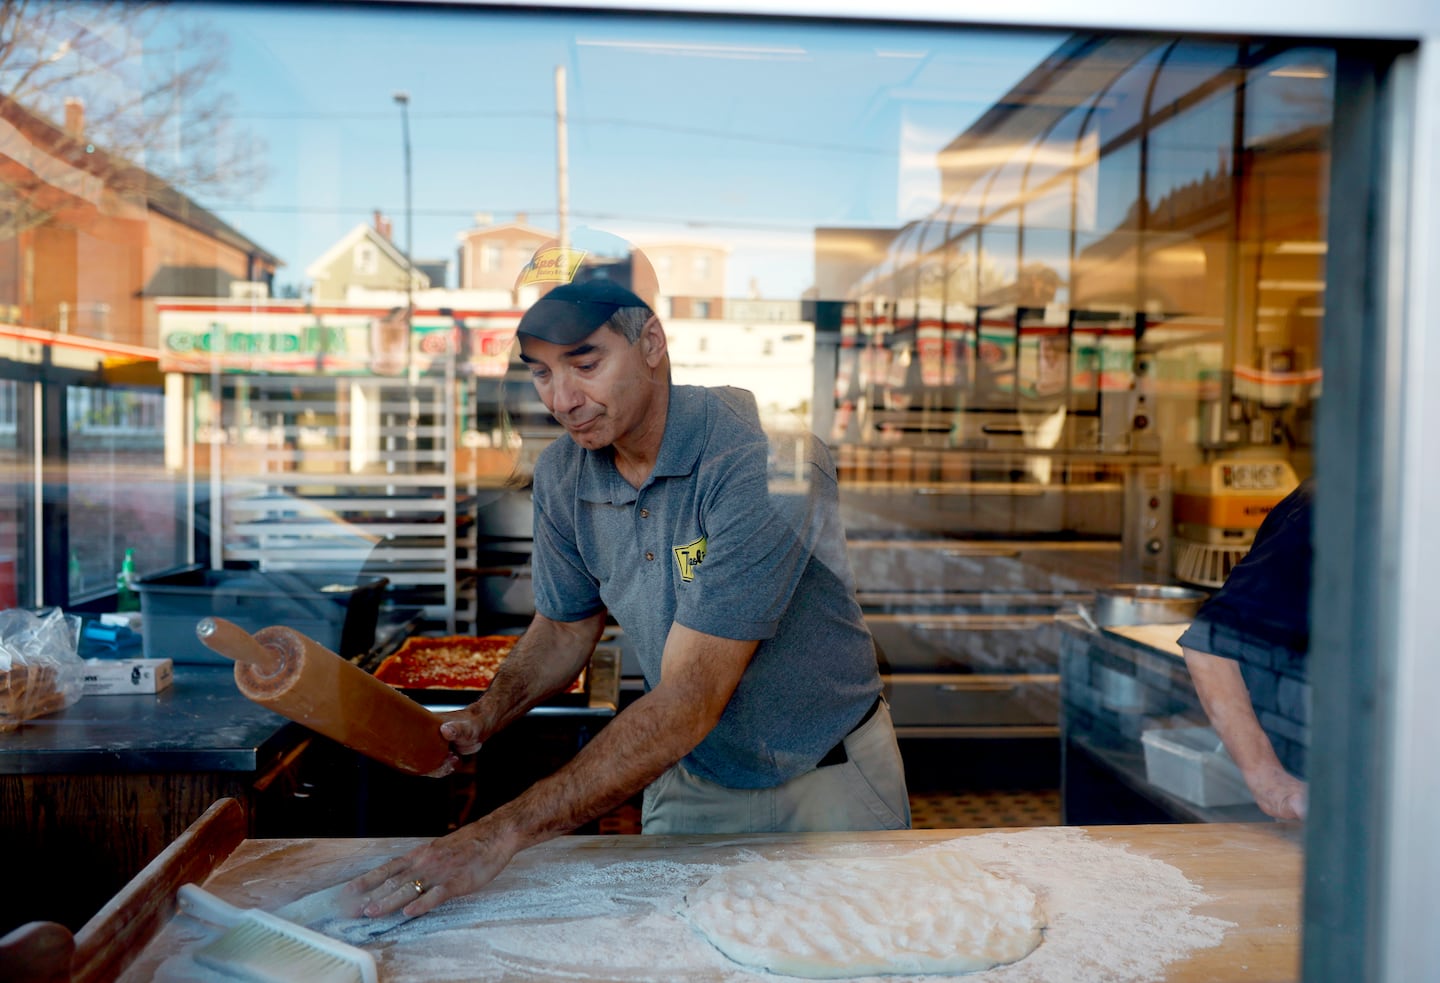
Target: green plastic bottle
x=126, y=597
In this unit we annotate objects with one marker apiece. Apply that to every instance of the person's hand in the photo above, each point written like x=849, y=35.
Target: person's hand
x=462, y=729
x=1279, y=794
x=457, y=864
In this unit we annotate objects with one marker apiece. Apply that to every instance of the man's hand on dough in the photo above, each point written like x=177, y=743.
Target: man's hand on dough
x=455, y=865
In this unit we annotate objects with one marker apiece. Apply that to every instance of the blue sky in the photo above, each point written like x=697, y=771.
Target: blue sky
x=749, y=133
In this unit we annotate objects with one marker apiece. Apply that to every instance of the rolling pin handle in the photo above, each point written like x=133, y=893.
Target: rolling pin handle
x=234, y=642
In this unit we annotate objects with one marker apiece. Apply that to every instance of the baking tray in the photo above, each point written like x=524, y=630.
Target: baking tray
x=436, y=698
x=601, y=696
x=450, y=697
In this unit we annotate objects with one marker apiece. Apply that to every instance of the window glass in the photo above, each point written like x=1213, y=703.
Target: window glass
x=1044, y=266
x=1008, y=183
x=366, y=259
x=1291, y=93
x=14, y=493
x=1009, y=277
x=1122, y=105
x=1189, y=161
x=119, y=495
x=1056, y=153
x=1189, y=187
x=1190, y=67
x=1117, y=198
x=1106, y=263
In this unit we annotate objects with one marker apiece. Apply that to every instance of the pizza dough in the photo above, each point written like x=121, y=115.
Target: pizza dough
x=831, y=919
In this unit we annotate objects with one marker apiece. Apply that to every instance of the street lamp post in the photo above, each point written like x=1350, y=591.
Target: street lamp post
x=402, y=99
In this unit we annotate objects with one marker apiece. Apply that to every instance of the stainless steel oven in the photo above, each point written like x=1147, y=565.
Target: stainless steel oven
x=961, y=580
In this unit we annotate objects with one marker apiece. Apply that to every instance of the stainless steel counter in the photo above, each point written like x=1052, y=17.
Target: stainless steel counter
x=1114, y=687
x=199, y=723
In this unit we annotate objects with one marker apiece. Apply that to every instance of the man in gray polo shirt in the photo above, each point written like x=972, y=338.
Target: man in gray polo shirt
x=762, y=709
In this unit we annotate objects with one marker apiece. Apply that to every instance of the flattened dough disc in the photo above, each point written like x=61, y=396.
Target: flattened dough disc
x=935, y=912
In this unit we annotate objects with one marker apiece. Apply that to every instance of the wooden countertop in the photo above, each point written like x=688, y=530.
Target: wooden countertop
x=1160, y=640
x=1164, y=638
x=597, y=907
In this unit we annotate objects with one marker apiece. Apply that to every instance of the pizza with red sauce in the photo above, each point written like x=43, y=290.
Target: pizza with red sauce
x=450, y=662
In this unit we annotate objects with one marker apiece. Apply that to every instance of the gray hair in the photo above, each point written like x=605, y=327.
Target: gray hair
x=629, y=322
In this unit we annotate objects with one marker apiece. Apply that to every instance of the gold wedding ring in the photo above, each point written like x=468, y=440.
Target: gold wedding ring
x=418, y=886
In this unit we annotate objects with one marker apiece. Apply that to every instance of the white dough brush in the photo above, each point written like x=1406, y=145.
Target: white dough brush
x=259, y=946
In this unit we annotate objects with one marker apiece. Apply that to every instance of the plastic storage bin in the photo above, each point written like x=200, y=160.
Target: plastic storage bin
x=340, y=616
x=1191, y=763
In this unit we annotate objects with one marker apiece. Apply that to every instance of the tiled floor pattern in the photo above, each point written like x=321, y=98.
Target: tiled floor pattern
x=985, y=809
x=982, y=809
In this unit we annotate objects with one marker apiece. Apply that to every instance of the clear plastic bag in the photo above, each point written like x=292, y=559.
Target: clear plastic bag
x=40, y=667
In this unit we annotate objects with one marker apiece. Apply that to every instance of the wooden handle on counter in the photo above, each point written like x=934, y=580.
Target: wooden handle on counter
x=37, y=952
x=299, y=678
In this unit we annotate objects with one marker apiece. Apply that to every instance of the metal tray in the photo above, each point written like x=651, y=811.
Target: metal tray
x=600, y=695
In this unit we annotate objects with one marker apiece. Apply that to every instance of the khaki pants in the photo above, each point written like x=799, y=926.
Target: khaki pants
x=866, y=792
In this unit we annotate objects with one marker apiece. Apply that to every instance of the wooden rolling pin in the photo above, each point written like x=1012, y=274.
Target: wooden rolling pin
x=299, y=678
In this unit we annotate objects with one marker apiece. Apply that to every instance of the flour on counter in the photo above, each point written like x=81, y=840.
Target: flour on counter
x=1111, y=916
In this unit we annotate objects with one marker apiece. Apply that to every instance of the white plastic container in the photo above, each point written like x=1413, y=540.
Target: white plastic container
x=1191, y=763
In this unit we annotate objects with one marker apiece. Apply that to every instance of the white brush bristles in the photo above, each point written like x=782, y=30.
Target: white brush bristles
x=264, y=948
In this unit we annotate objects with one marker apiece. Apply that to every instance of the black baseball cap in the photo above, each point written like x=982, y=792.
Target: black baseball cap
x=574, y=311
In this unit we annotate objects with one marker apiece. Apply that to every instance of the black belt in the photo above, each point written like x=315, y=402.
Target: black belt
x=836, y=755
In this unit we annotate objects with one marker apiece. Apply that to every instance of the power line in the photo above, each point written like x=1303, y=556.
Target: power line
x=671, y=129
x=365, y=212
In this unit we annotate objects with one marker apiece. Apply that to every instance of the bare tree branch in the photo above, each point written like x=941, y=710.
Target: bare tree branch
x=150, y=84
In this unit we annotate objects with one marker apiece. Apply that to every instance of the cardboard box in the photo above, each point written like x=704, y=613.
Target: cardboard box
x=119, y=677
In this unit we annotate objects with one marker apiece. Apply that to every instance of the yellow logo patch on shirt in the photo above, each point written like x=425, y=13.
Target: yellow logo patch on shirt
x=688, y=557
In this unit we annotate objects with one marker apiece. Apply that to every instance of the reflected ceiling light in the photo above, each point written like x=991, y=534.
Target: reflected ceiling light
x=1291, y=284
x=1291, y=312
x=988, y=155
x=1299, y=72
x=883, y=53
x=1302, y=248
x=700, y=50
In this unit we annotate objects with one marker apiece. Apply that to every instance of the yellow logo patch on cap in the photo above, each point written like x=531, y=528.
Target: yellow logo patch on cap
x=688, y=557
x=554, y=264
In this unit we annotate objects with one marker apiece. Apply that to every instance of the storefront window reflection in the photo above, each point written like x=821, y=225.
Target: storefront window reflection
x=118, y=494
x=1190, y=68
x=12, y=497
x=1292, y=93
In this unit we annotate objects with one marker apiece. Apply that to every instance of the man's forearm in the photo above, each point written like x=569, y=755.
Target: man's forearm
x=698, y=675
x=624, y=757
x=629, y=753
x=545, y=661
x=1226, y=700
